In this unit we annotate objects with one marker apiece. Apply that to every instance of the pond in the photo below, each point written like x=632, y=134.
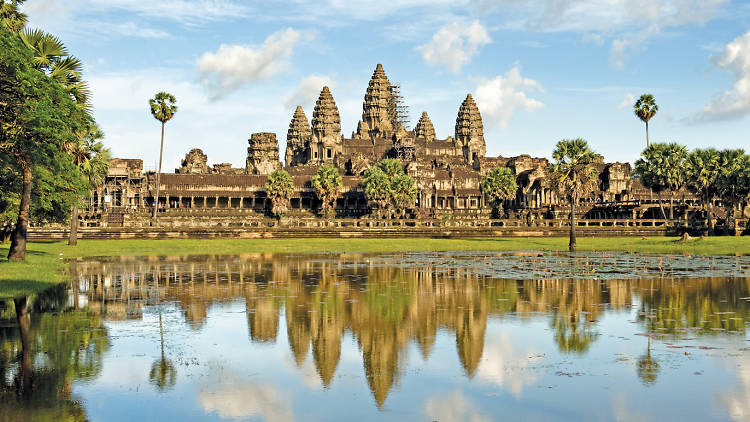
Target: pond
x=449, y=336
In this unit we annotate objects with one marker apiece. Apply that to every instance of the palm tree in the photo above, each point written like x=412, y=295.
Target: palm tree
x=51, y=56
x=703, y=168
x=163, y=107
x=92, y=159
x=403, y=192
x=10, y=17
x=573, y=175
x=662, y=167
x=732, y=181
x=392, y=167
x=645, y=108
x=327, y=184
x=499, y=185
x=279, y=188
x=377, y=188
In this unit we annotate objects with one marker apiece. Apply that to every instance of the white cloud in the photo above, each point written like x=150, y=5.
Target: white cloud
x=185, y=11
x=307, y=92
x=453, y=408
x=454, y=45
x=733, y=103
x=235, y=65
x=627, y=101
x=505, y=367
x=236, y=400
x=499, y=98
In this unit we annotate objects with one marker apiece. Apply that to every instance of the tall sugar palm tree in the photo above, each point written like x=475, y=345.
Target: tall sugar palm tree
x=92, y=159
x=645, y=108
x=10, y=18
x=573, y=175
x=377, y=187
x=703, y=169
x=163, y=107
x=732, y=182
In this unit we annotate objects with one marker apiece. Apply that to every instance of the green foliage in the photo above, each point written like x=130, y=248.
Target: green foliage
x=662, y=167
x=499, y=184
x=703, y=168
x=327, y=183
x=279, y=188
x=163, y=106
x=38, y=118
x=388, y=183
x=392, y=167
x=403, y=192
x=573, y=173
x=733, y=181
x=645, y=108
x=377, y=187
x=10, y=17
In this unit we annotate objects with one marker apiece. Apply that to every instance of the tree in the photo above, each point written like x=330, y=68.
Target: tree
x=573, y=175
x=163, y=109
x=92, y=159
x=37, y=117
x=327, y=185
x=51, y=57
x=732, y=185
x=703, y=168
x=10, y=17
x=662, y=167
x=279, y=188
x=645, y=108
x=377, y=188
x=392, y=167
x=403, y=192
x=499, y=185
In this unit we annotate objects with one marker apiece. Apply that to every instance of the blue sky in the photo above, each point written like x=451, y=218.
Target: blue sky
x=540, y=70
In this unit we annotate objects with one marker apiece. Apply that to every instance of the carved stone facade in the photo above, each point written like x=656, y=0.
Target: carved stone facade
x=262, y=154
x=447, y=172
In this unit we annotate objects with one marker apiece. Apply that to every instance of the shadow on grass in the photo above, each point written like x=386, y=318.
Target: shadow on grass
x=16, y=288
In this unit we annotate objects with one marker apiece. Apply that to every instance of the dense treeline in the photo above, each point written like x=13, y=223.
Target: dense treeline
x=50, y=150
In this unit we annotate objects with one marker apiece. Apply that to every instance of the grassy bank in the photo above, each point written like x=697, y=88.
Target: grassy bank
x=44, y=266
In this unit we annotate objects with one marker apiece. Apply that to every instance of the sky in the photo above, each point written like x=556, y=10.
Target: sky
x=539, y=70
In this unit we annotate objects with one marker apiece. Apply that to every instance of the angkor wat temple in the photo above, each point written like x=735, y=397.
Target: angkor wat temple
x=447, y=174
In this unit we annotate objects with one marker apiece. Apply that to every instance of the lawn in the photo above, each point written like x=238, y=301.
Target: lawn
x=45, y=265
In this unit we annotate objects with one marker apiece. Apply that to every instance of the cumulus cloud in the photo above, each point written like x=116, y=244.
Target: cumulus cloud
x=733, y=103
x=627, y=101
x=505, y=367
x=235, y=65
x=307, y=91
x=453, y=408
x=454, y=45
x=500, y=97
x=241, y=401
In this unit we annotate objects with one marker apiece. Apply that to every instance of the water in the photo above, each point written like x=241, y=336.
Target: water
x=465, y=336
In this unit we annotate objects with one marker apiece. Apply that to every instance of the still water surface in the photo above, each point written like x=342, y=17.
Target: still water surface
x=414, y=336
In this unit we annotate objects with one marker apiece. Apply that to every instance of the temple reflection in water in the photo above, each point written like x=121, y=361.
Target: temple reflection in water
x=384, y=306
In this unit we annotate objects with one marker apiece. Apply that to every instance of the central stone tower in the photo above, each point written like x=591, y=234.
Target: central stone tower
x=298, y=139
x=376, y=109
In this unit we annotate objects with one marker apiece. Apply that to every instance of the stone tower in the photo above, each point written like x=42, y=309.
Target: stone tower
x=470, y=132
x=298, y=139
x=262, y=154
x=195, y=162
x=376, y=113
x=424, y=128
x=325, y=142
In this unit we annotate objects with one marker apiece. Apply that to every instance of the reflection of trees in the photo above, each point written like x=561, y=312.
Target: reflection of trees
x=40, y=361
x=385, y=307
x=648, y=367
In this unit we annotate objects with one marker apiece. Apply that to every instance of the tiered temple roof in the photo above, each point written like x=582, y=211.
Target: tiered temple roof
x=297, y=137
x=326, y=122
x=376, y=116
x=424, y=128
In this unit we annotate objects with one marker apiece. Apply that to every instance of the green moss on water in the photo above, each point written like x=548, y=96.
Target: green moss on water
x=44, y=267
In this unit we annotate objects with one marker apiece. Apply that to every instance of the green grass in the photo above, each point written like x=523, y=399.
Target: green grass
x=44, y=266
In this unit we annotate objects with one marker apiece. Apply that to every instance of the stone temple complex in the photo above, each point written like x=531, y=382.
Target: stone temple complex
x=447, y=174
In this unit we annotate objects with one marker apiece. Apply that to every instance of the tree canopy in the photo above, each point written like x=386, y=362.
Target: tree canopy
x=279, y=188
x=499, y=184
x=327, y=183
